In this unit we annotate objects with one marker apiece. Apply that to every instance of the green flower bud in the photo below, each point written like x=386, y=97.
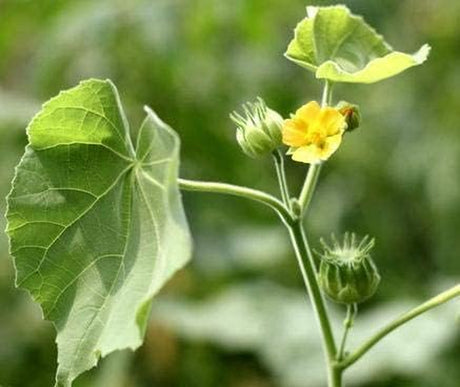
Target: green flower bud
x=259, y=131
x=347, y=273
x=351, y=113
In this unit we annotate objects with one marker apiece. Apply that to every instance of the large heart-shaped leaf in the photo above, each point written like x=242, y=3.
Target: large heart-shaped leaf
x=339, y=46
x=96, y=226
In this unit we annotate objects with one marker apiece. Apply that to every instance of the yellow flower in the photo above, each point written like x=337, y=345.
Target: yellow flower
x=313, y=133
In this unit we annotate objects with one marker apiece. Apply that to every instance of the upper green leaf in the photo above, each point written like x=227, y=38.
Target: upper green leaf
x=96, y=227
x=339, y=46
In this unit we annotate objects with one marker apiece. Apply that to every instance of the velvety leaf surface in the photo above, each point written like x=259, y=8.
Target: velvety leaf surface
x=96, y=226
x=339, y=46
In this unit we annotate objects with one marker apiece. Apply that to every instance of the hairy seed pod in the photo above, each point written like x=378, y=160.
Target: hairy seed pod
x=347, y=273
x=258, y=132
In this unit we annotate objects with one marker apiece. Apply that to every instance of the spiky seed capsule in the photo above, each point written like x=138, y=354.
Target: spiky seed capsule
x=347, y=273
x=258, y=132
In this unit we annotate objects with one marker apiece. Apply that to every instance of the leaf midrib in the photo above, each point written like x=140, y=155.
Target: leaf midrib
x=109, y=295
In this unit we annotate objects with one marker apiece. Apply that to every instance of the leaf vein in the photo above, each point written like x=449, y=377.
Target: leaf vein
x=37, y=270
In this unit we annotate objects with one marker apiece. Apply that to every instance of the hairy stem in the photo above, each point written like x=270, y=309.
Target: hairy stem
x=235, y=190
x=309, y=275
x=278, y=158
x=309, y=185
x=326, y=98
x=308, y=268
x=352, y=310
x=404, y=318
x=335, y=379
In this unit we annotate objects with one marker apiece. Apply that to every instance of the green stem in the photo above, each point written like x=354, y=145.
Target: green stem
x=235, y=190
x=299, y=241
x=309, y=185
x=336, y=377
x=430, y=304
x=308, y=271
x=278, y=157
x=352, y=310
x=326, y=98
x=308, y=268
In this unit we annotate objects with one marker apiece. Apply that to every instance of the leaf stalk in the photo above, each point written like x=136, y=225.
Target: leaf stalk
x=236, y=190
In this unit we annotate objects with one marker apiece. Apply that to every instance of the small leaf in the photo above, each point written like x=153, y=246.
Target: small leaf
x=339, y=46
x=96, y=227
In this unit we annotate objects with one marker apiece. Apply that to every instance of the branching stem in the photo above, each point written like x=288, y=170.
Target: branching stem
x=404, y=318
x=236, y=190
x=278, y=158
x=352, y=310
x=308, y=270
x=337, y=359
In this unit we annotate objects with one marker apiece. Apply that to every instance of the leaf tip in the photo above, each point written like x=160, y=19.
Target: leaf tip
x=160, y=123
x=110, y=83
x=422, y=54
x=151, y=113
x=312, y=10
x=149, y=110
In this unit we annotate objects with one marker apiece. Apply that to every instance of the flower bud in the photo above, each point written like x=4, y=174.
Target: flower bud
x=347, y=273
x=351, y=113
x=259, y=131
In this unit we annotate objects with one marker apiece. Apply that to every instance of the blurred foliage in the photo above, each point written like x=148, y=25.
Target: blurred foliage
x=194, y=61
x=242, y=318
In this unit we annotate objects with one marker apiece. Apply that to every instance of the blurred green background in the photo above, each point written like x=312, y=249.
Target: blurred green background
x=237, y=315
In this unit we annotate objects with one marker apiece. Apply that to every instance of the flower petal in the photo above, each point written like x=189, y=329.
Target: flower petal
x=309, y=154
x=332, y=121
x=331, y=145
x=313, y=133
x=312, y=154
x=308, y=112
x=294, y=133
x=295, y=130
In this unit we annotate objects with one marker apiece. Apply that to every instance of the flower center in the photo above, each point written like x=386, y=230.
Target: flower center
x=318, y=139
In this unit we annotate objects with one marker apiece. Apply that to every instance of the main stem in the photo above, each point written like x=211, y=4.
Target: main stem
x=309, y=187
x=337, y=362
x=313, y=171
x=308, y=268
x=309, y=275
